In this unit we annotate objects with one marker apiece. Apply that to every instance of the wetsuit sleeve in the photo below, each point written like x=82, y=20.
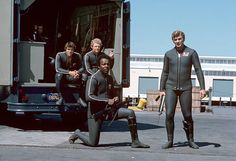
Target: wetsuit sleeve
x=81, y=69
x=92, y=90
x=58, y=65
x=112, y=90
x=87, y=64
x=198, y=70
x=164, y=74
x=112, y=63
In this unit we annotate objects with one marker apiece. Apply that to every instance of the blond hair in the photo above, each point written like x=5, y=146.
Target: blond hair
x=97, y=41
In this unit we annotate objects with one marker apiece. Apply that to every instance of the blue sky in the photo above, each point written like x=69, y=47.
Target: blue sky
x=209, y=25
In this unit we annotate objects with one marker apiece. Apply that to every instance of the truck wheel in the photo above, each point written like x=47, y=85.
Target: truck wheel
x=5, y=115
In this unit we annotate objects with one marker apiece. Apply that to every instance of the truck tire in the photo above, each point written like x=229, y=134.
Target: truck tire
x=5, y=115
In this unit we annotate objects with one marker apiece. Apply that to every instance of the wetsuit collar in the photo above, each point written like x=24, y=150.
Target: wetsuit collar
x=103, y=74
x=180, y=51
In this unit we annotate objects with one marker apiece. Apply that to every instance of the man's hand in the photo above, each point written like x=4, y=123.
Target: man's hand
x=202, y=93
x=111, y=101
x=162, y=93
x=74, y=74
x=116, y=99
x=111, y=54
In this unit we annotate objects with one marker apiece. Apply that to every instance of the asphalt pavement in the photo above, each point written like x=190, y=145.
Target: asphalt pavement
x=45, y=138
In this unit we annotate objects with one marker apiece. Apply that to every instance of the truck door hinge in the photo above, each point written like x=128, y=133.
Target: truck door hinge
x=16, y=40
x=17, y=2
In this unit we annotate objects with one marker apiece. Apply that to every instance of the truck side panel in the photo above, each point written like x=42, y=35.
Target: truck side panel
x=6, y=42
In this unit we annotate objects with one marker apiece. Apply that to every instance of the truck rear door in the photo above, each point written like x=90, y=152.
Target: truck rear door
x=126, y=45
x=6, y=42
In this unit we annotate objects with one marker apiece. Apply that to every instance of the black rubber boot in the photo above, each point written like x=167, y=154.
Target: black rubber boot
x=169, y=143
x=188, y=128
x=134, y=135
x=170, y=135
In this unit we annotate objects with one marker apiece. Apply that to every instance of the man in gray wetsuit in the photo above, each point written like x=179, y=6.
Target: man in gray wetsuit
x=90, y=58
x=100, y=94
x=69, y=69
x=176, y=84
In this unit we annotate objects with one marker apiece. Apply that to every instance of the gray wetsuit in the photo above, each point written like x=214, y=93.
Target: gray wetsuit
x=176, y=82
x=99, y=89
x=90, y=62
x=63, y=65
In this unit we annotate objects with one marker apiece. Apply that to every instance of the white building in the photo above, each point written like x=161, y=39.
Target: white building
x=219, y=72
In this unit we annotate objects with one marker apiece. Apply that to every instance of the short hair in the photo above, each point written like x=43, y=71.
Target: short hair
x=103, y=56
x=70, y=44
x=177, y=33
x=97, y=41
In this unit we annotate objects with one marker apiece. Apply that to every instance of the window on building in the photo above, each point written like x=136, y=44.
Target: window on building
x=193, y=81
x=147, y=83
x=132, y=59
x=222, y=88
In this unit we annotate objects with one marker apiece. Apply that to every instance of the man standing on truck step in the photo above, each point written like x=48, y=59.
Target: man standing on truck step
x=105, y=105
x=90, y=58
x=69, y=70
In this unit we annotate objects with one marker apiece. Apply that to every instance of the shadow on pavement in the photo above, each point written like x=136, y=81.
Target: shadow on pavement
x=115, y=144
x=122, y=125
x=53, y=122
x=110, y=145
x=200, y=144
x=44, y=122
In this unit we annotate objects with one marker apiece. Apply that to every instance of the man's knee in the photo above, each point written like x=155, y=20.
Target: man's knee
x=169, y=117
x=131, y=114
x=58, y=77
x=84, y=77
x=188, y=118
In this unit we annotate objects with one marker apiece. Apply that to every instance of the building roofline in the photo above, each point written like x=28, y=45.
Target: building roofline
x=158, y=55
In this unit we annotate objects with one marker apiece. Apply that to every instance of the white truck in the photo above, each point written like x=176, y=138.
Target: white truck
x=26, y=77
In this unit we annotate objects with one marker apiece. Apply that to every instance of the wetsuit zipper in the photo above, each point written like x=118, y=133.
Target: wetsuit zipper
x=107, y=87
x=178, y=71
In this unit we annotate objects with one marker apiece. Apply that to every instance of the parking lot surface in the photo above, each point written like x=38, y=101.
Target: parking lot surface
x=46, y=138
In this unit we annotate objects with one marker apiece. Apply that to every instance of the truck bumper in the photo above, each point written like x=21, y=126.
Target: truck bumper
x=44, y=107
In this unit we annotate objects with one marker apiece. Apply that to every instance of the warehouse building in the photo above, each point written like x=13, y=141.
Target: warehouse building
x=219, y=72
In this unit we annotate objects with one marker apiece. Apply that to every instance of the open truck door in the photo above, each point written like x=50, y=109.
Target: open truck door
x=6, y=46
x=126, y=45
